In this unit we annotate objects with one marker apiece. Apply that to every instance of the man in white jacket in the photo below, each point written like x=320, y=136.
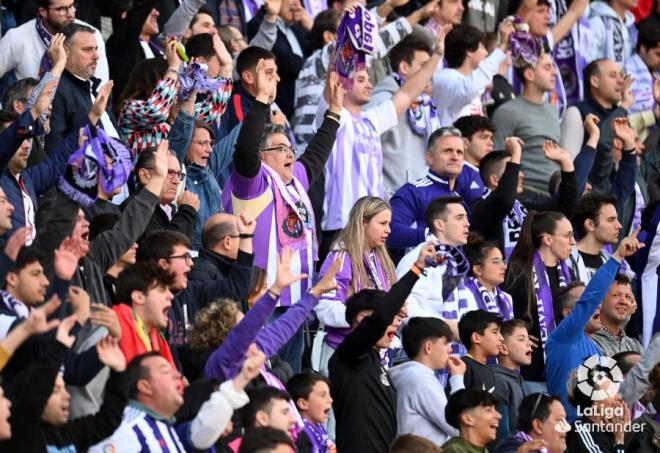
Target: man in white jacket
x=440, y=293
x=24, y=49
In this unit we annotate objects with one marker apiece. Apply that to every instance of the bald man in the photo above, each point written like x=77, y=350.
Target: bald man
x=219, y=248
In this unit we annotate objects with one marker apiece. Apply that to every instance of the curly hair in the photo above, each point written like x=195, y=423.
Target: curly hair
x=213, y=323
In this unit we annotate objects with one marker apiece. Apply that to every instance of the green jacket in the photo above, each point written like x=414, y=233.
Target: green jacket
x=460, y=445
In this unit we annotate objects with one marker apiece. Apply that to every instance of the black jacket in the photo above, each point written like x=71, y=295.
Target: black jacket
x=183, y=219
x=71, y=105
x=288, y=63
x=31, y=434
x=210, y=265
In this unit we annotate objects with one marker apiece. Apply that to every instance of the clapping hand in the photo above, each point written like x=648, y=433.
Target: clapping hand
x=284, y=277
x=110, y=354
x=328, y=282
x=63, y=334
x=628, y=246
x=251, y=367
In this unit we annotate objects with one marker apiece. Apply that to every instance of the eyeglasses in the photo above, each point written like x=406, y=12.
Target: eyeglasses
x=564, y=235
x=210, y=143
x=281, y=149
x=172, y=174
x=536, y=404
x=63, y=10
x=185, y=256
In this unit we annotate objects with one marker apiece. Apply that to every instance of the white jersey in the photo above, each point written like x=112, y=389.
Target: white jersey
x=355, y=166
x=141, y=430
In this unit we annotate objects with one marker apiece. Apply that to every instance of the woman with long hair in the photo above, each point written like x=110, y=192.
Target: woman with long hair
x=487, y=272
x=537, y=270
x=366, y=264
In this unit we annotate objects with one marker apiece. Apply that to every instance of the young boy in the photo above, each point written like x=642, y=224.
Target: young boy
x=473, y=413
x=420, y=398
x=311, y=394
x=516, y=351
x=479, y=331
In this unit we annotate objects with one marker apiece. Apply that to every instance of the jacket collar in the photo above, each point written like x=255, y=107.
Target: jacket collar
x=224, y=263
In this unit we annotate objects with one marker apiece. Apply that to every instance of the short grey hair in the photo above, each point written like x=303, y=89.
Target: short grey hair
x=270, y=129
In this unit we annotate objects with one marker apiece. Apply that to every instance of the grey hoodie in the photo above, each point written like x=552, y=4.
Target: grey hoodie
x=611, y=37
x=421, y=402
x=509, y=390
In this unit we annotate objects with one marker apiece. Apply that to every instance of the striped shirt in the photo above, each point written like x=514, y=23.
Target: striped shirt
x=141, y=430
x=355, y=166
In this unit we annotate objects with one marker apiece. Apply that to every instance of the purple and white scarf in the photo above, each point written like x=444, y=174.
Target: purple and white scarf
x=291, y=223
x=500, y=304
x=356, y=37
x=375, y=273
x=454, y=292
x=544, y=303
x=318, y=436
x=193, y=77
x=422, y=114
x=87, y=167
x=14, y=305
x=45, y=37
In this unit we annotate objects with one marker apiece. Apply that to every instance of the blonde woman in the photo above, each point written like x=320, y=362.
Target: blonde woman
x=366, y=264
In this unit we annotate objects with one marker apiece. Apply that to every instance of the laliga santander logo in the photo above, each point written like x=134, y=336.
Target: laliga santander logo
x=596, y=371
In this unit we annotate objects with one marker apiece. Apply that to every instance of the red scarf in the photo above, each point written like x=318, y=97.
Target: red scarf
x=131, y=342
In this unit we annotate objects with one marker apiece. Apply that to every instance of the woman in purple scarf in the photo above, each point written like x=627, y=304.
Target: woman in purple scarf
x=537, y=272
x=366, y=264
x=487, y=272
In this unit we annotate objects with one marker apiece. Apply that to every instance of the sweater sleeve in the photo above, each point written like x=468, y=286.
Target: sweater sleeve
x=364, y=337
x=488, y=213
x=623, y=185
x=636, y=382
x=246, y=155
x=210, y=106
x=571, y=328
x=276, y=334
x=583, y=163
x=225, y=362
x=317, y=152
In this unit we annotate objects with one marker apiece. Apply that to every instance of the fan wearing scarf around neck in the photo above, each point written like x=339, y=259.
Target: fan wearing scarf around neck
x=441, y=292
x=487, y=272
x=537, y=270
x=269, y=182
x=367, y=264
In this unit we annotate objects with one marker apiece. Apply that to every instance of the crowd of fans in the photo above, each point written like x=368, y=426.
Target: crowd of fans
x=269, y=226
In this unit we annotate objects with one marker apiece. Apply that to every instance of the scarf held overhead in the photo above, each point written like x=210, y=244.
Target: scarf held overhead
x=356, y=37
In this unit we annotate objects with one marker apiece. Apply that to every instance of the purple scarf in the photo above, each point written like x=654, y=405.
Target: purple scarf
x=422, y=114
x=544, y=303
x=45, y=37
x=375, y=273
x=292, y=225
x=503, y=306
x=194, y=77
x=355, y=39
x=318, y=436
x=88, y=166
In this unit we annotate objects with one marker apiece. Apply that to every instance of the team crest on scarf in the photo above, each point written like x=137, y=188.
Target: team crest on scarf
x=355, y=39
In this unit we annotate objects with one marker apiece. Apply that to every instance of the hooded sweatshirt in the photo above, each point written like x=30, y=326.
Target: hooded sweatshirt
x=510, y=391
x=420, y=408
x=612, y=37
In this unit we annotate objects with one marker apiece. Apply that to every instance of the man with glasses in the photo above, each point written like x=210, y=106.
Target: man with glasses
x=24, y=49
x=541, y=424
x=167, y=216
x=269, y=182
x=577, y=316
x=171, y=252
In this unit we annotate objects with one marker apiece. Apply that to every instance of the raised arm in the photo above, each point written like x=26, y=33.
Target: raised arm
x=365, y=336
x=568, y=20
x=246, y=156
x=320, y=146
x=412, y=87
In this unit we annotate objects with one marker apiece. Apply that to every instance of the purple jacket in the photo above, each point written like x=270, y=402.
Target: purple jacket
x=226, y=361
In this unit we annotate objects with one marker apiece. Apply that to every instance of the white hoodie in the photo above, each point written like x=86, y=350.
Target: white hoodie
x=612, y=37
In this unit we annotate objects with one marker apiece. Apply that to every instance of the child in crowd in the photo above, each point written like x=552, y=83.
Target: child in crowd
x=479, y=331
x=473, y=412
x=310, y=392
x=516, y=352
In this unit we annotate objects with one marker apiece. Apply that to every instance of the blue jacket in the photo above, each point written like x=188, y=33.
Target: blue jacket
x=38, y=179
x=205, y=182
x=568, y=346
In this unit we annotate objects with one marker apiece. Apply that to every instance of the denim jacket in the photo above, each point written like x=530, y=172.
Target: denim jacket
x=205, y=182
